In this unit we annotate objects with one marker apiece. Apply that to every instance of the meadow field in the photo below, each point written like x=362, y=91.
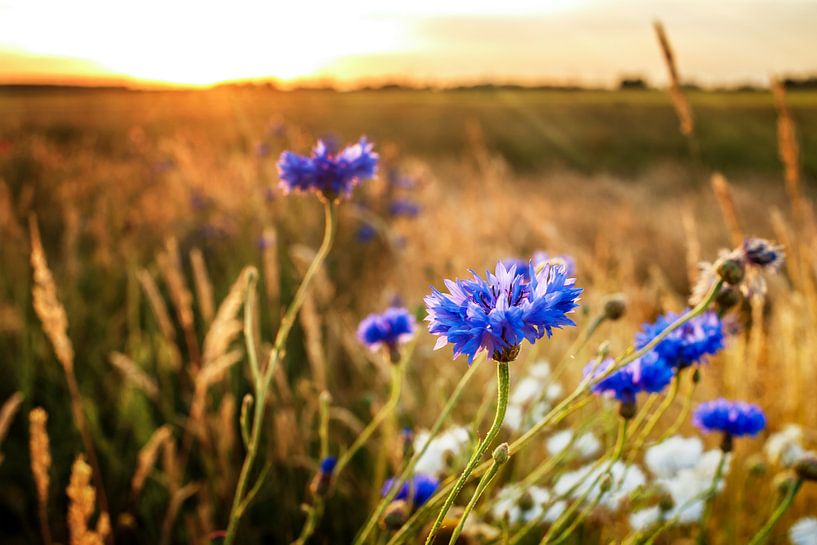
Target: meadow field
x=161, y=219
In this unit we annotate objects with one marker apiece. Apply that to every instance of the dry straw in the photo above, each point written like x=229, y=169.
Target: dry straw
x=135, y=375
x=272, y=274
x=723, y=195
x=157, y=304
x=55, y=324
x=679, y=100
x=40, y=465
x=787, y=144
x=7, y=413
x=81, y=507
x=147, y=458
x=171, y=267
x=204, y=290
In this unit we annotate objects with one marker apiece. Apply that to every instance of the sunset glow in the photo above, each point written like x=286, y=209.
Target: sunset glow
x=201, y=43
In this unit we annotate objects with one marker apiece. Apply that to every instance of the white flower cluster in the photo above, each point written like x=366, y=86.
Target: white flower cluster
x=589, y=482
x=521, y=506
x=685, y=472
x=804, y=531
x=786, y=446
x=583, y=447
x=531, y=398
x=443, y=450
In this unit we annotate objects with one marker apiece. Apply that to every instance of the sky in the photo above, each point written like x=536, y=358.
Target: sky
x=591, y=42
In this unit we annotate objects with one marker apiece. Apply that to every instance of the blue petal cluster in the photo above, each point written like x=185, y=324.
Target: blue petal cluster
x=762, y=253
x=328, y=465
x=647, y=374
x=496, y=314
x=329, y=174
x=733, y=418
x=403, y=207
x=394, y=326
x=689, y=344
x=420, y=488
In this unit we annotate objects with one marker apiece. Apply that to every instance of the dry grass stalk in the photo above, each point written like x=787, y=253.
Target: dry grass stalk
x=7, y=413
x=311, y=323
x=176, y=501
x=40, y=466
x=147, y=458
x=679, y=100
x=157, y=304
x=55, y=324
x=787, y=145
x=173, y=274
x=81, y=507
x=47, y=304
x=723, y=194
x=135, y=374
x=8, y=225
x=693, y=255
x=204, y=290
x=272, y=272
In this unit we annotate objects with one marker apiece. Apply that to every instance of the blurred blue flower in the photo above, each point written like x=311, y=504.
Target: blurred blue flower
x=394, y=326
x=498, y=313
x=762, y=253
x=366, y=233
x=328, y=464
x=420, y=488
x=403, y=207
x=564, y=260
x=647, y=374
x=733, y=418
x=689, y=344
x=331, y=175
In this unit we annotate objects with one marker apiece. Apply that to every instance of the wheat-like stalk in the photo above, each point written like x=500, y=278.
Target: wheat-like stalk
x=693, y=254
x=47, y=304
x=7, y=413
x=272, y=273
x=311, y=323
x=723, y=195
x=40, y=466
x=135, y=374
x=171, y=267
x=81, y=507
x=679, y=100
x=147, y=458
x=55, y=324
x=201, y=280
x=787, y=145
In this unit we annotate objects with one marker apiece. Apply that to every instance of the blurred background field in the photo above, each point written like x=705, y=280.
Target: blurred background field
x=178, y=191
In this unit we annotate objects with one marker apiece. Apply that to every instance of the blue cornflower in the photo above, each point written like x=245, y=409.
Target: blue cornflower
x=366, y=233
x=328, y=464
x=647, y=374
x=420, y=488
x=402, y=207
x=498, y=313
x=564, y=260
x=733, y=418
x=331, y=175
x=393, y=327
x=762, y=253
x=691, y=343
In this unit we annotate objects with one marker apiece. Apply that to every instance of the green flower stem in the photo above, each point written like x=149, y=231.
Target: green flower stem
x=314, y=513
x=683, y=415
x=481, y=487
x=710, y=500
x=655, y=417
x=263, y=377
x=558, y=413
x=502, y=386
x=763, y=534
x=370, y=524
x=397, y=372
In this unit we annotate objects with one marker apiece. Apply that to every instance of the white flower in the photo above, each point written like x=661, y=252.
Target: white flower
x=667, y=458
x=646, y=518
x=540, y=370
x=804, y=531
x=520, y=506
x=688, y=487
x=585, y=446
x=526, y=391
x=554, y=392
x=586, y=482
x=531, y=398
x=447, y=446
x=786, y=446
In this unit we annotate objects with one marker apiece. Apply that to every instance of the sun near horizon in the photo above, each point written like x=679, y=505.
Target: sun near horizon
x=194, y=44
